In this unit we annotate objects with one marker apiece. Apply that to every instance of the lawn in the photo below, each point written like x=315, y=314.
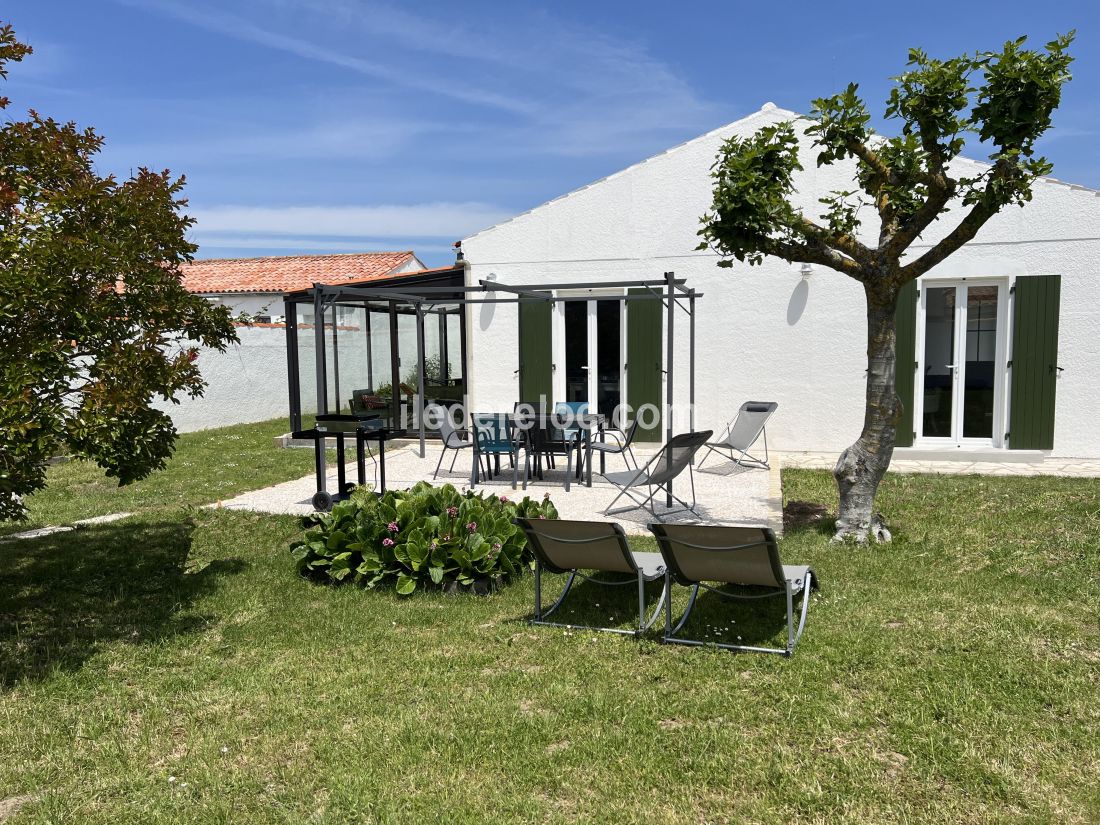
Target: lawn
x=171, y=668
x=206, y=467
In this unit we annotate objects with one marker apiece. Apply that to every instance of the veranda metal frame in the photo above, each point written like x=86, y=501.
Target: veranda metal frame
x=422, y=296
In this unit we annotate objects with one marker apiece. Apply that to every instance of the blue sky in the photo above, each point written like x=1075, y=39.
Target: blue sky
x=347, y=125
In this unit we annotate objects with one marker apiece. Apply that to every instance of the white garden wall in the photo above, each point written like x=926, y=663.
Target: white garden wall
x=762, y=332
x=247, y=382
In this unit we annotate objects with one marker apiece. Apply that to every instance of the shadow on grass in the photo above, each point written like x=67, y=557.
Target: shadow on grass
x=63, y=595
x=715, y=618
x=808, y=517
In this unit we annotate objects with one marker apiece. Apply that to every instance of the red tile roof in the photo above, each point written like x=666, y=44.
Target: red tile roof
x=291, y=272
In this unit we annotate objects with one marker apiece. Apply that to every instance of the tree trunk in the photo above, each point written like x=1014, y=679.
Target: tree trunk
x=862, y=466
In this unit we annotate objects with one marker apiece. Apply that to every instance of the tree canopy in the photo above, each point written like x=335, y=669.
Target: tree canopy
x=1004, y=98
x=908, y=181
x=95, y=322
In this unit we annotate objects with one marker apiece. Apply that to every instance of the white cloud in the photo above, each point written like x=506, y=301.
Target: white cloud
x=231, y=25
x=438, y=220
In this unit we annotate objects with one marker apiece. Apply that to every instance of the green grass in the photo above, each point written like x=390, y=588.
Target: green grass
x=206, y=467
x=950, y=677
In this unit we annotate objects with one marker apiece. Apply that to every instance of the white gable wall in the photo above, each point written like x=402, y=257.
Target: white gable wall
x=762, y=333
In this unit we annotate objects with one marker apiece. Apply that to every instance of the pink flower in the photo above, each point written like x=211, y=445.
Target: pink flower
x=504, y=499
x=392, y=527
x=452, y=512
x=542, y=517
x=387, y=542
x=472, y=526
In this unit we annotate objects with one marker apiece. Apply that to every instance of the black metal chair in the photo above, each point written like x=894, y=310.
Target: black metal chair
x=621, y=445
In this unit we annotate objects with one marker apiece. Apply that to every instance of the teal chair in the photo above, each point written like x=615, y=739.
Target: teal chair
x=494, y=436
x=573, y=435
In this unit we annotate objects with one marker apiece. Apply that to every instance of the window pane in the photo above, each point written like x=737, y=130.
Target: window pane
x=981, y=352
x=576, y=351
x=939, y=356
x=609, y=360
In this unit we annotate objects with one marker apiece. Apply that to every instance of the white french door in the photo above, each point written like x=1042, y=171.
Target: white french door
x=590, y=344
x=961, y=351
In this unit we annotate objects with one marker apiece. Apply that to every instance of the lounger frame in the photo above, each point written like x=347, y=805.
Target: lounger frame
x=726, y=447
x=785, y=587
x=544, y=561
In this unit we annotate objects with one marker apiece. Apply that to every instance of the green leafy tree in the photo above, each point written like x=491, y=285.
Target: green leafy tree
x=908, y=183
x=94, y=320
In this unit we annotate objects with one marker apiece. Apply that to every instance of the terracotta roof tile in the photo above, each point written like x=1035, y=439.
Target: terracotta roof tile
x=292, y=272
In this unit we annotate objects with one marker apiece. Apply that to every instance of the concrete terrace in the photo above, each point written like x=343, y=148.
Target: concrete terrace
x=726, y=492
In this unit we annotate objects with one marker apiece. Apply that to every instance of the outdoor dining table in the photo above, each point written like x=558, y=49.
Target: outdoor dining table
x=531, y=423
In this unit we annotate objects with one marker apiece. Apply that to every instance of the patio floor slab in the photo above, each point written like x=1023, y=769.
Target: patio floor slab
x=727, y=493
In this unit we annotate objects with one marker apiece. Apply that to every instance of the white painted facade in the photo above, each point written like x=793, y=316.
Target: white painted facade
x=765, y=332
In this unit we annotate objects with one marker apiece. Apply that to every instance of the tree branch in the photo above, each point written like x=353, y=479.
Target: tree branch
x=871, y=158
x=815, y=253
x=988, y=205
x=939, y=194
x=846, y=244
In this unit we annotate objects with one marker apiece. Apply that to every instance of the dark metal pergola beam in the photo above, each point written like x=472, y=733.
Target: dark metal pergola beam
x=426, y=298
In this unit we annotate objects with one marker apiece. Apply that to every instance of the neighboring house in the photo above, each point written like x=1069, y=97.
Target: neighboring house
x=248, y=382
x=999, y=346
x=255, y=286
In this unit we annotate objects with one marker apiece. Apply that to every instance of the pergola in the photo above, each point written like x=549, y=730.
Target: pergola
x=430, y=298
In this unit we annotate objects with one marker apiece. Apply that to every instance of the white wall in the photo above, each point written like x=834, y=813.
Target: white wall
x=249, y=303
x=762, y=333
x=247, y=382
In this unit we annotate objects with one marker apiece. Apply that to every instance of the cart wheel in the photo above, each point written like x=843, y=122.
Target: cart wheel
x=322, y=501
x=349, y=487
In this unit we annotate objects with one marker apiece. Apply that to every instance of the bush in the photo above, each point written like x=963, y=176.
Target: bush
x=419, y=537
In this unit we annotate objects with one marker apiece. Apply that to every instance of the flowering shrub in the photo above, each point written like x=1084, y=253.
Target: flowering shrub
x=420, y=536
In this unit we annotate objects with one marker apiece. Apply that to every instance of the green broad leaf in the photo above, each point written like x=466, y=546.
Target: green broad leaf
x=418, y=554
x=299, y=552
x=405, y=584
x=478, y=546
x=369, y=566
x=337, y=540
x=436, y=573
x=439, y=555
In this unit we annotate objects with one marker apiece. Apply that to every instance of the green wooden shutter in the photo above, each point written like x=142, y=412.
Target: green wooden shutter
x=1034, y=362
x=905, y=363
x=535, y=359
x=643, y=359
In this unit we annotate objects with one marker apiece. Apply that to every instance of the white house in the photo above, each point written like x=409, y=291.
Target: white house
x=999, y=346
